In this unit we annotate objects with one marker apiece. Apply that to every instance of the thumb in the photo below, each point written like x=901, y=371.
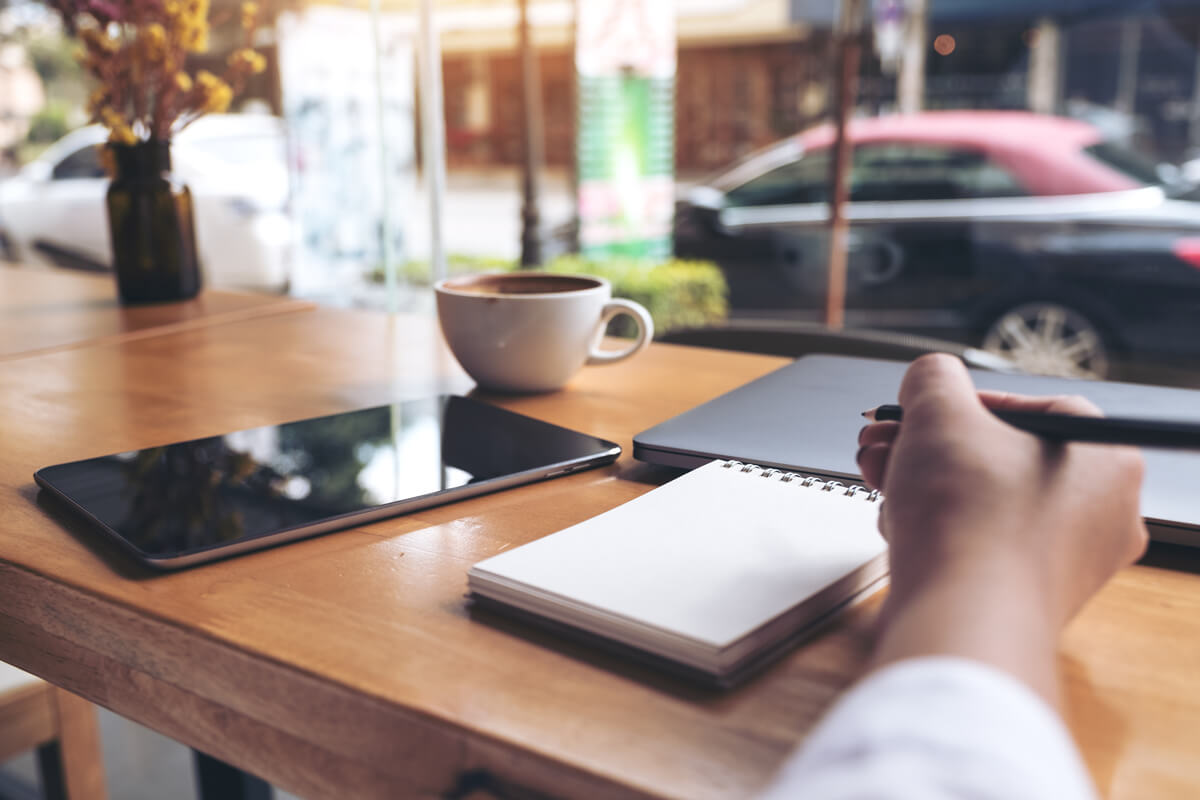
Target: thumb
x=938, y=386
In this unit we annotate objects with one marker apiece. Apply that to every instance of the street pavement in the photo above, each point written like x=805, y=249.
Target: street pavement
x=483, y=213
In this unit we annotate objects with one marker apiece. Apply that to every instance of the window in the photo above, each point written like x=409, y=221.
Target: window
x=1127, y=162
x=883, y=172
x=805, y=180
x=926, y=172
x=83, y=163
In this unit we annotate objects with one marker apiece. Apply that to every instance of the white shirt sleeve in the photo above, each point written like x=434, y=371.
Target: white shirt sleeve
x=937, y=728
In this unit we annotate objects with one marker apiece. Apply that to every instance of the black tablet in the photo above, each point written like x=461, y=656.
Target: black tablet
x=187, y=503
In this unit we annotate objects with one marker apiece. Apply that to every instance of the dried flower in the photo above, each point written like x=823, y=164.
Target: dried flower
x=214, y=94
x=97, y=100
x=249, y=16
x=137, y=49
x=119, y=131
x=247, y=61
x=154, y=41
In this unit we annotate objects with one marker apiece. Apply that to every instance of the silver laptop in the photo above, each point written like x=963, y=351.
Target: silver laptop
x=805, y=417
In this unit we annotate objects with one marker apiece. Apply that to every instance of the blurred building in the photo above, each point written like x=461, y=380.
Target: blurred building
x=748, y=72
x=1130, y=66
x=753, y=71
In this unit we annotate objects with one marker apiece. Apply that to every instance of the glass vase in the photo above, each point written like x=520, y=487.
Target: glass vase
x=151, y=223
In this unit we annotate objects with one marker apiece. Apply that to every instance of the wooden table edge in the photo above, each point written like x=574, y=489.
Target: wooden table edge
x=433, y=754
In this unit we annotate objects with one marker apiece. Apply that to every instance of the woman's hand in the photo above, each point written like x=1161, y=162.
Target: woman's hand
x=997, y=537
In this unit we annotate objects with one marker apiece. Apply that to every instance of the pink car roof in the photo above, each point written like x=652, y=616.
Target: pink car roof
x=1044, y=153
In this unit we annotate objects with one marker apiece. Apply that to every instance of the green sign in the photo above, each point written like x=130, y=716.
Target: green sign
x=626, y=163
x=625, y=58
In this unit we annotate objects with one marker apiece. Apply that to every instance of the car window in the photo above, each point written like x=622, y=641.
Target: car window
x=883, y=172
x=1126, y=161
x=805, y=180
x=83, y=163
x=927, y=172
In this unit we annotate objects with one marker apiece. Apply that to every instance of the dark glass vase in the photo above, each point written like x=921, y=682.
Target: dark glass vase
x=151, y=222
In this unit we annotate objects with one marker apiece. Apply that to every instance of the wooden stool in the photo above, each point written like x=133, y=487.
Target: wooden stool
x=61, y=726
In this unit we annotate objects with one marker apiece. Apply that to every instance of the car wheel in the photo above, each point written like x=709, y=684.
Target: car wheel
x=1049, y=339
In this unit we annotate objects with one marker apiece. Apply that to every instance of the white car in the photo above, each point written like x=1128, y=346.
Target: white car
x=52, y=211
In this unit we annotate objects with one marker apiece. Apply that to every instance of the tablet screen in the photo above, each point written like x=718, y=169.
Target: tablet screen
x=212, y=494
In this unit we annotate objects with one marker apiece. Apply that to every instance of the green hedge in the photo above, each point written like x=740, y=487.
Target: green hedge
x=677, y=293
x=48, y=125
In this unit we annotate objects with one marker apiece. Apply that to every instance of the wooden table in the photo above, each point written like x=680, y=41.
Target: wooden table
x=44, y=309
x=349, y=665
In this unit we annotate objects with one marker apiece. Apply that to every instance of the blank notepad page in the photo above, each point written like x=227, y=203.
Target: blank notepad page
x=709, y=556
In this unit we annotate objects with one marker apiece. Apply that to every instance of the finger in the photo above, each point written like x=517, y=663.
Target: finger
x=1139, y=541
x=872, y=463
x=883, y=518
x=937, y=387
x=877, y=432
x=1053, y=404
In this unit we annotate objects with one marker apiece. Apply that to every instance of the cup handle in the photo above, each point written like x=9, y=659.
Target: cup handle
x=612, y=309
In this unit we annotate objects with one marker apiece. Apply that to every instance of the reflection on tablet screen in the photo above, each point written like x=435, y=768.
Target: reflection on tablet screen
x=201, y=494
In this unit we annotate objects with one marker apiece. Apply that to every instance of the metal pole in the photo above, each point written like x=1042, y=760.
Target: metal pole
x=1127, y=65
x=531, y=163
x=433, y=137
x=1194, y=117
x=386, y=232
x=911, y=84
x=1045, y=68
x=573, y=177
x=849, y=44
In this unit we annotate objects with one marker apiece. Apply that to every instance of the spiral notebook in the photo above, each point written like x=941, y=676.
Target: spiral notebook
x=711, y=574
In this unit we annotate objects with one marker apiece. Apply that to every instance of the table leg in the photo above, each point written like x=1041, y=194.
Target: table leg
x=72, y=766
x=216, y=780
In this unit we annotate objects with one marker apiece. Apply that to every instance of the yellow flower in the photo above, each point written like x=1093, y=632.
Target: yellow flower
x=195, y=38
x=139, y=61
x=119, y=130
x=249, y=15
x=154, y=37
x=196, y=11
x=215, y=94
x=220, y=99
x=207, y=81
x=247, y=60
x=192, y=22
x=99, y=42
x=122, y=134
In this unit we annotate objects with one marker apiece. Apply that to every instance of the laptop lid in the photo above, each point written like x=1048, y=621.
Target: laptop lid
x=805, y=417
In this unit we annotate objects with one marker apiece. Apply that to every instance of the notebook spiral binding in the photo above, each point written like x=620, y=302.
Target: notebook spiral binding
x=851, y=490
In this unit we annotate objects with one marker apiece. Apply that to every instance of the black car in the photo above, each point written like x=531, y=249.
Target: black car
x=1028, y=235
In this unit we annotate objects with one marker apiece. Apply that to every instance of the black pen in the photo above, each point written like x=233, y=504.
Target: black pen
x=1070, y=427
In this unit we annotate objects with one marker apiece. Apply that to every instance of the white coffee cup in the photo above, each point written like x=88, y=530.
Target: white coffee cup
x=532, y=331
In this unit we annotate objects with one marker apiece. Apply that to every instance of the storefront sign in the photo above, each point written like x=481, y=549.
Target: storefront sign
x=625, y=58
